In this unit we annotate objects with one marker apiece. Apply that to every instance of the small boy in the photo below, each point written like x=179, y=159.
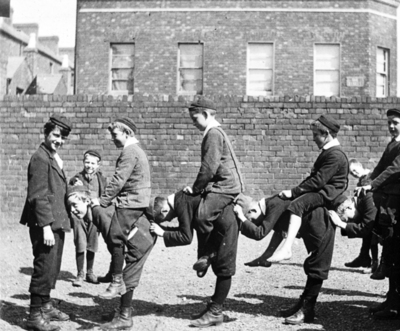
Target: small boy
x=327, y=180
x=130, y=185
x=225, y=231
x=85, y=232
x=219, y=179
x=45, y=213
x=366, y=223
x=384, y=184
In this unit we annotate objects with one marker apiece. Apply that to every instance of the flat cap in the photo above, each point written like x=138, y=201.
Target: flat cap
x=202, y=103
x=393, y=112
x=92, y=152
x=338, y=201
x=128, y=122
x=330, y=123
x=244, y=201
x=61, y=121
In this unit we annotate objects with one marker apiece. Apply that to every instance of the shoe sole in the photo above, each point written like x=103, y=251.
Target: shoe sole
x=206, y=325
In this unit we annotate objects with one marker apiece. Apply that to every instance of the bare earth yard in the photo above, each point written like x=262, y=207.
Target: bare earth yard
x=170, y=291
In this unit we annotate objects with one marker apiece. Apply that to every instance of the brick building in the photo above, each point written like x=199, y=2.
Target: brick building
x=31, y=64
x=253, y=47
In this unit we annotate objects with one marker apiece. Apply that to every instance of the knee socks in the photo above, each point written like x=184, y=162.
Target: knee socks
x=89, y=260
x=126, y=299
x=222, y=288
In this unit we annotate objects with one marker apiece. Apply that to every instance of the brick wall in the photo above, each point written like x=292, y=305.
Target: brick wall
x=271, y=137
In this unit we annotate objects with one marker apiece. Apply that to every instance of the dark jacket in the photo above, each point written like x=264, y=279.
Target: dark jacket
x=130, y=183
x=46, y=199
x=102, y=181
x=219, y=171
x=386, y=175
x=329, y=175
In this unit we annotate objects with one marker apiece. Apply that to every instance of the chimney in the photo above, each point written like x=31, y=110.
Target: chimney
x=28, y=28
x=66, y=73
x=50, y=42
x=31, y=54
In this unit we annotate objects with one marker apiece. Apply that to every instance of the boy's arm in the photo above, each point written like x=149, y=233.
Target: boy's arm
x=124, y=168
x=180, y=236
x=212, y=148
x=385, y=174
x=315, y=182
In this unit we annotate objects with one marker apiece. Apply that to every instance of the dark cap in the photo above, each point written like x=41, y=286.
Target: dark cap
x=330, y=123
x=338, y=201
x=61, y=121
x=202, y=103
x=92, y=152
x=72, y=189
x=393, y=112
x=244, y=201
x=128, y=122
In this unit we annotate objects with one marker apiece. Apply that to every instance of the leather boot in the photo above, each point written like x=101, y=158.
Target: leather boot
x=116, y=288
x=51, y=313
x=213, y=316
x=91, y=277
x=107, y=278
x=122, y=320
x=391, y=308
x=36, y=322
x=198, y=315
x=287, y=312
x=381, y=272
x=306, y=313
x=382, y=305
x=108, y=317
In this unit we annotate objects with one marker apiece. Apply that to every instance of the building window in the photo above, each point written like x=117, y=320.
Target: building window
x=51, y=68
x=382, y=72
x=190, y=69
x=260, y=63
x=327, y=70
x=122, y=66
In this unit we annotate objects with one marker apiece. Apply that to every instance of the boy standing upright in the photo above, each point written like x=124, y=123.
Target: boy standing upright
x=45, y=212
x=219, y=179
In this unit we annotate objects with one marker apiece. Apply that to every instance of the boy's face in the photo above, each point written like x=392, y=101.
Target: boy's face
x=78, y=207
x=54, y=140
x=254, y=211
x=119, y=137
x=319, y=138
x=356, y=170
x=200, y=120
x=394, y=126
x=350, y=210
x=162, y=214
x=91, y=164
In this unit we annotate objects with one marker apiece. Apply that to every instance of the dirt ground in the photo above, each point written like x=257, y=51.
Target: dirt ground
x=170, y=291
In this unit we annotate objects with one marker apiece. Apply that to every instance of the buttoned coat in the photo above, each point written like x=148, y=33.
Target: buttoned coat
x=46, y=197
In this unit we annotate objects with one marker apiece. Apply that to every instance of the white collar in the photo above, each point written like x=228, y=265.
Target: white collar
x=131, y=141
x=213, y=124
x=171, y=199
x=261, y=203
x=332, y=143
x=397, y=138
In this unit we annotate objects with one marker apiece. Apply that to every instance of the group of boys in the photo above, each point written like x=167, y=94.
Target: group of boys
x=214, y=206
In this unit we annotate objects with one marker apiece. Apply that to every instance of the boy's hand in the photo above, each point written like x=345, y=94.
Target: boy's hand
x=156, y=229
x=285, y=194
x=48, y=236
x=336, y=219
x=94, y=202
x=238, y=210
x=77, y=182
x=188, y=190
x=358, y=190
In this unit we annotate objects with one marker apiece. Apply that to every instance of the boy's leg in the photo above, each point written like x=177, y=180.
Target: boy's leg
x=297, y=208
x=90, y=276
x=363, y=259
x=80, y=261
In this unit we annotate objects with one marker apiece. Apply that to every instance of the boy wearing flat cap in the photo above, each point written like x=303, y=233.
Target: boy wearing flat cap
x=219, y=179
x=85, y=232
x=384, y=184
x=327, y=180
x=130, y=186
x=45, y=213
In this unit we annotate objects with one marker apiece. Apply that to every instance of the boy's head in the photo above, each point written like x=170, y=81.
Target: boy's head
x=356, y=168
x=324, y=129
x=91, y=161
x=56, y=131
x=251, y=208
x=161, y=209
x=121, y=129
x=345, y=208
x=202, y=112
x=393, y=116
x=78, y=199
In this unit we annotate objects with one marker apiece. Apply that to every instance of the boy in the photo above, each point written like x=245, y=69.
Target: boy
x=130, y=185
x=384, y=184
x=45, y=213
x=85, y=233
x=219, y=179
x=318, y=234
x=327, y=180
x=225, y=232
x=364, y=223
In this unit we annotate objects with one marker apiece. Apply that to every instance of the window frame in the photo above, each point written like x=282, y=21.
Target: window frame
x=387, y=73
x=339, y=69
x=110, y=80
x=178, y=75
x=248, y=68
